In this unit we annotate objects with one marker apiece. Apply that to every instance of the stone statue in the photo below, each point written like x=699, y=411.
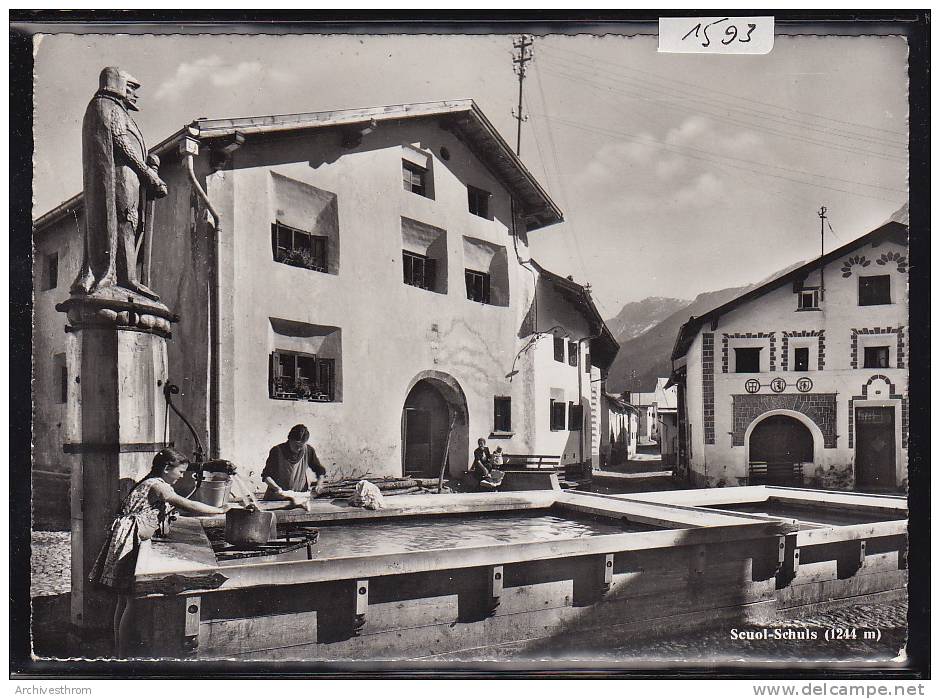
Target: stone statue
x=118, y=179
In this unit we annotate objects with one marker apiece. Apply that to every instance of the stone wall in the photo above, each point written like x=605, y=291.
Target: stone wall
x=818, y=407
x=708, y=385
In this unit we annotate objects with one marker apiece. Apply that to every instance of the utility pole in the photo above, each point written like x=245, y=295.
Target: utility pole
x=524, y=47
x=822, y=252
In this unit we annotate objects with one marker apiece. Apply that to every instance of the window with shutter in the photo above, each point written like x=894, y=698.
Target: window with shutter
x=414, y=178
x=298, y=248
x=502, y=414
x=478, y=286
x=557, y=413
x=419, y=271
x=573, y=354
x=575, y=416
x=298, y=376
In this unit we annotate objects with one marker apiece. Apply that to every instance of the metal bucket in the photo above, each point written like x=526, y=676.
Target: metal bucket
x=249, y=527
x=214, y=493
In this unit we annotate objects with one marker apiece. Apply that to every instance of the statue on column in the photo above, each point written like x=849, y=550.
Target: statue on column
x=118, y=180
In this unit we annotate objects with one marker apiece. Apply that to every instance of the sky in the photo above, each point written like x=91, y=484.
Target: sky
x=677, y=174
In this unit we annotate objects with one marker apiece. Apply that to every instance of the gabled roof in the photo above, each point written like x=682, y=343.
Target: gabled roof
x=666, y=399
x=619, y=405
x=462, y=117
x=892, y=230
x=603, y=347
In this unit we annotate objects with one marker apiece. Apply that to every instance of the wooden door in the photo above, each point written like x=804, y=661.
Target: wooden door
x=874, y=449
x=417, y=441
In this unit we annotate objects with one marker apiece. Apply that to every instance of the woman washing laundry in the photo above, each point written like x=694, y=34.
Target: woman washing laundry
x=287, y=472
x=141, y=514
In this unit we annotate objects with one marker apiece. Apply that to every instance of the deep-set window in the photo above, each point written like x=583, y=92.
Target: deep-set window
x=418, y=270
x=62, y=378
x=415, y=178
x=559, y=349
x=557, y=414
x=573, y=353
x=502, y=414
x=801, y=359
x=297, y=376
x=874, y=291
x=876, y=357
x=51, y=271
x=479, y=201
x=747, y=360
x=298, y=248
x=808, y=299
x=575, y=416
x=587, y=363
x=478, y=286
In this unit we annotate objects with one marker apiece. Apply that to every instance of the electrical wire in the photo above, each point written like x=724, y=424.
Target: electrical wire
x=661, y=80
x=679, y=151
x=731, y=120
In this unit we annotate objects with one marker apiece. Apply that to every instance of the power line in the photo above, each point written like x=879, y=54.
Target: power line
x=553, y=150
x=524, y=46
x=594, y=60
x=767, y=165
x=735, y=121
x=678, y=150
x=723, y=105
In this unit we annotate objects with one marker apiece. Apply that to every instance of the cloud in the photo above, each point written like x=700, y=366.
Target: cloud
x=705, y=190
x=218, y=73
x=681, y=167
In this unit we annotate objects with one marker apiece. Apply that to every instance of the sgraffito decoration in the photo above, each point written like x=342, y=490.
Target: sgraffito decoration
x=855, y=260
x=895, y=257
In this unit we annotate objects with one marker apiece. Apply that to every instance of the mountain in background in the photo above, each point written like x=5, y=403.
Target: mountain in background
x=637, y=317
x=646, y=355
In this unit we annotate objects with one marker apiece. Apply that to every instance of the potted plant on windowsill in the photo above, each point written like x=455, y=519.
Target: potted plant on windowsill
x=299, y=258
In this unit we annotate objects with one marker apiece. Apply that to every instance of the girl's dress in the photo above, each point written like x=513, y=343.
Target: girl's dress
x=140, y=516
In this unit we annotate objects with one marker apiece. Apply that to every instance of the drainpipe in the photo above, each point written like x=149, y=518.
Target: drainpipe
x=190, y=149
x=581, y=392
x=525, y=264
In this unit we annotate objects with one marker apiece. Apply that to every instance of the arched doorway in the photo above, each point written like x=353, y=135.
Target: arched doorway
x=435, y=405
x=778, y=447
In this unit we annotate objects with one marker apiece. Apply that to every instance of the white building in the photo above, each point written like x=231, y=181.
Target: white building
x=803, y=379
x=370, y=277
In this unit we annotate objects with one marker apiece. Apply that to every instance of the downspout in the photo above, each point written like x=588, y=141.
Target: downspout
x=190, y=148
x=525, y=264
x=581, y=392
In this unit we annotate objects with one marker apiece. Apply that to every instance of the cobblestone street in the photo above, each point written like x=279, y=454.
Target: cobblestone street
x=50, y=564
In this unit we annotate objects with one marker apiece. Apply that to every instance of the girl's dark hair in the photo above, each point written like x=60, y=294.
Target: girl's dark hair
x=167, y=457
x=299, y=433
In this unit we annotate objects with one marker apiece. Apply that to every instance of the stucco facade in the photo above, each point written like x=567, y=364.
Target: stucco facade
x=391, y=352
x=810, y=374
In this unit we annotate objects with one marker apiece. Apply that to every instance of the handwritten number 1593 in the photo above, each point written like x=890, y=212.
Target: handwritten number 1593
x=731, y=33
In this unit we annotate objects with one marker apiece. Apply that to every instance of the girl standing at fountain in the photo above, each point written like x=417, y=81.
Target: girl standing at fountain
x=140, y=516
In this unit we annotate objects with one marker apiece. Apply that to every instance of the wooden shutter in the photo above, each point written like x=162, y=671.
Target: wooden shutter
x=430, y=274
x=325, y=377
x=274, y=373
x=575, y=416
